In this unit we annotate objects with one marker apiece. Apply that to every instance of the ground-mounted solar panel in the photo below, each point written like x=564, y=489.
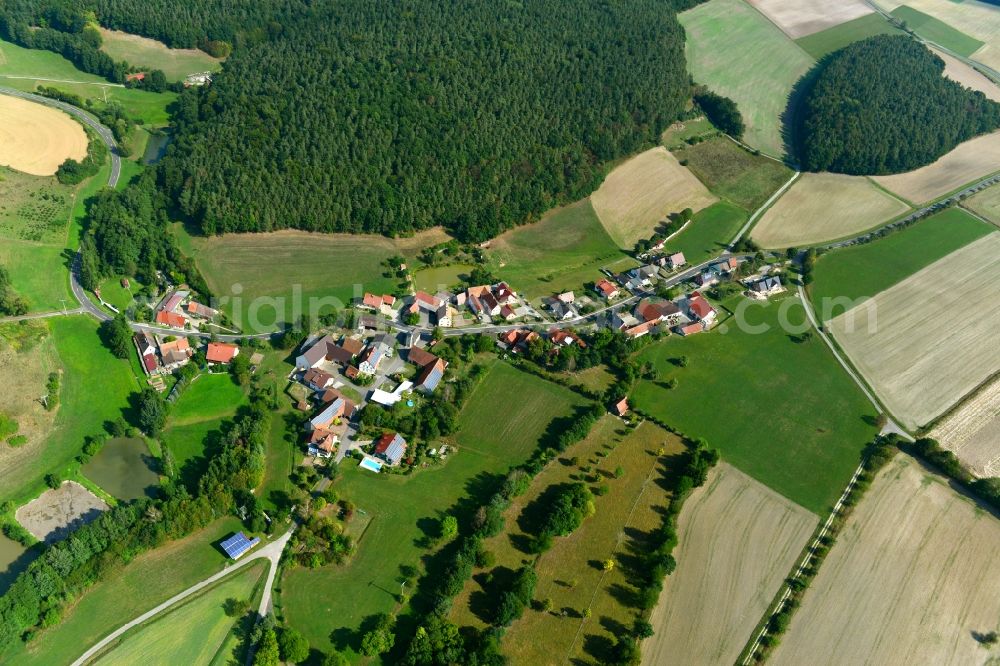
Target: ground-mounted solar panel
x=238, y=544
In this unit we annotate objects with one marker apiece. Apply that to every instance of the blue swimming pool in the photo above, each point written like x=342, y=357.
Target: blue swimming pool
x=371, y=465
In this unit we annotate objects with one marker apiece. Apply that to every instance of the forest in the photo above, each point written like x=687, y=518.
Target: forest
x=883, y=105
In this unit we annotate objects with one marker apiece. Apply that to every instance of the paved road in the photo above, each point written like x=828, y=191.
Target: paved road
x=271, y=551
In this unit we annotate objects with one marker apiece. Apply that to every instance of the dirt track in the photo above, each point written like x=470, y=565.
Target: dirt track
x=55, y=513
x=738, y=540
x=913, y=575
x=36, y=139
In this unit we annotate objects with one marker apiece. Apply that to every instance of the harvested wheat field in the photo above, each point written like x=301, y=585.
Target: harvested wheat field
x=822, y=207
x=798, y=18
x=926, y=342
x=959, y=71
x=911, y=580
x=639, y=194
x=738, y=540
x=972, y=432
x=986, y=204
x=973, y=159
x=36, y=139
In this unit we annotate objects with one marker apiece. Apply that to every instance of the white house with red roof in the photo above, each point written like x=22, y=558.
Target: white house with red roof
x=701, y=310
x=606, y=288
x=384, y=305
x=221, y=352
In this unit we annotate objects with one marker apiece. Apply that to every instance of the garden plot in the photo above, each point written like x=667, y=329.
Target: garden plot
x=639, y=194
x=823, y=207
x=737, y=540
x=798, y=18
x=929, y=340
x=912, y=579
x=972, y=432
x=969, y=161
x=57, y=512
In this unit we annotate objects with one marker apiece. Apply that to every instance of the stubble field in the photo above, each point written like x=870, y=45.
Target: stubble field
x=737, y=541
x=959, y=71
x=911, y=580
x=986, y=204
x=929, y=340
x=638, y=195
x=144, y=52
x=798, y=18
x=823, y=207
x=973, y=159
x=972, y=432
x=737, y=52
x=36, y=139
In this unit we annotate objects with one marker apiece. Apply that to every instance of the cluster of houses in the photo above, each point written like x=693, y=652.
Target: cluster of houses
x=323, y=362
x=483, y=303
x=160, y=354
x=517, y=340
x=178, y=310
x=687, y=315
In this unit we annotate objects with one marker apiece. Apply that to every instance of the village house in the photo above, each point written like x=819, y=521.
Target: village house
x=517, y=339
x=433, y=305
x=563, y=338
x=388, y=399
x=567, y=298
x=390, y=447
x=690, y=329
x=317, y=380
x=620, y=408
x=326, y=349
x=170, y=303
x=676, y=260
x=700, y=310
x=221, y=353
x=644, y=276
x=146, y=347
x=323, y=443
x=200, y=311
x=623, y=320
x=765, y=286
x=657, y=311
x=175, y=353
x=378, y=349
x=171, y=319
x=384, y=304
x=431, y=368
x=329, y=416
x=606, y=288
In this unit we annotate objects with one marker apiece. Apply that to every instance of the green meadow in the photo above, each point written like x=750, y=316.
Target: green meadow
x=709, y=233
x=937, y=31
x=833, y=39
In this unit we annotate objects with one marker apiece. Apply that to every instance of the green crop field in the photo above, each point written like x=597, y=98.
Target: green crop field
x=629, y=505
x=124, y=468
x=328, y=604
x=832, y=39
x=737, y=52
x=145, y=52
x=709, y=232
x=865, y=270
x=193, y=632
x=196, y=419
x=733, y=173
x=269, y=272
x=562, y=251
x=25, y=69
x=937, y=31
x=433, y=278
x=95, y=388
x=147, y=581
x=781, y=410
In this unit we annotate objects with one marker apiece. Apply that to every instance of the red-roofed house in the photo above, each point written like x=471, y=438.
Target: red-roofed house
x=565, y=338
x=701, y=310
x=137, y=76
x=691, y=329
x=171, y=319
x=676, y=260
x=507, y=313
x=390, y=447
x=221, y=352
x=621, y=407
x=382, y=304
x=203, y=311
x=606, y=289
x=640, y=330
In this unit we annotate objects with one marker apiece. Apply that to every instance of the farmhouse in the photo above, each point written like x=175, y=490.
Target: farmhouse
x=433, y=305
x=650, y=311
x=326, y=349
x=606, y=288
x=377, y=350
x=390, y=447
x=326, y=419
x=620, y=408
x=171, y=302
x=221, y=352
x=431, y=376
x=146, y=347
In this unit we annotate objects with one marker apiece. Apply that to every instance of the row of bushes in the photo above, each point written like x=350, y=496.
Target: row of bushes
x=988, y=489
x=876, y=456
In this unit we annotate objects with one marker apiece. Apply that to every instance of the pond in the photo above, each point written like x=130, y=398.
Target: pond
x=14, y=559
x=155, y=148
x=124, y=468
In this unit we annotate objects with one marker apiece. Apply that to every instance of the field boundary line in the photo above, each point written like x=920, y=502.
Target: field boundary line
x=760, y=211
x=803, y=563
x=79, y=83
x=628, y=521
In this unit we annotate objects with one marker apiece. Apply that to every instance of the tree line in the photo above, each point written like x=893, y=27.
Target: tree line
x=882, y=105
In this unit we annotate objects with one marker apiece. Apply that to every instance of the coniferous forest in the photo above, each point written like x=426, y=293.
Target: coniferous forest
x=883, y=105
